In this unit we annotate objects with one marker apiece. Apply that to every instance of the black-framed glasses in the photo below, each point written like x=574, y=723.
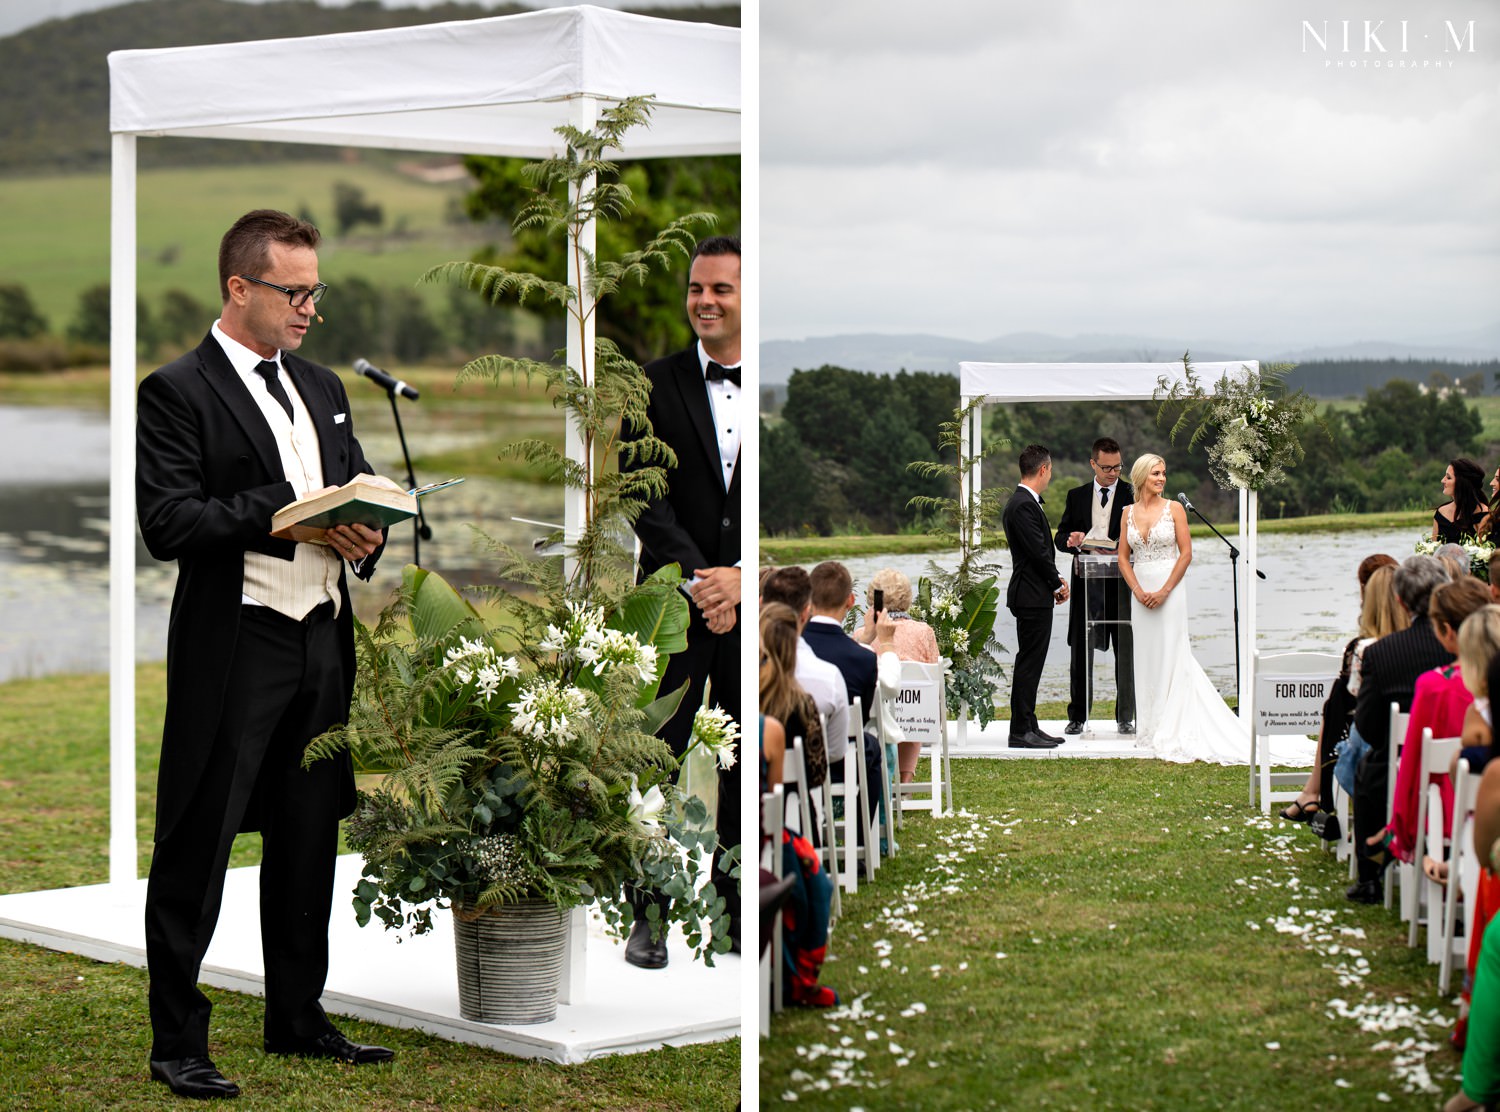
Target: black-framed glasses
x=1110, y=469
x=297, y=298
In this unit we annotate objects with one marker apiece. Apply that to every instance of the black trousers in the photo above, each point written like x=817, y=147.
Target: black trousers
x=1370, y=814
x=1033, y=635
x=285, y=688
x=1078, y=644
x=715, y=659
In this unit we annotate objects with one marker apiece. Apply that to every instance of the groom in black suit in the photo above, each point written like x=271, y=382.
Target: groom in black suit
x=260, y=651
x=696, y=408
x=1034, y=589
x=1092, y=513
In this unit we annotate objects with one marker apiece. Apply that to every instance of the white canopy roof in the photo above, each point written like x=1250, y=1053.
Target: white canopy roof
x=496, y=86
x=1065, y=382
x=484, y=86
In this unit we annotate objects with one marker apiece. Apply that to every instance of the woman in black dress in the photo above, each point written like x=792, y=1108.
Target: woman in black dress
x=1489, y=528
x=1460, y=517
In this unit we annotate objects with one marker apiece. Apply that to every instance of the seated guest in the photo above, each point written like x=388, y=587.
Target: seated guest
x=1380, y=613
x=1462, y=516
x=791, y=587
x=1481, y=1040
x=914, y=640
x=1389, y=672
x=1454, y=558
x=773, y=893
x=1439, y=702
x=781, y=694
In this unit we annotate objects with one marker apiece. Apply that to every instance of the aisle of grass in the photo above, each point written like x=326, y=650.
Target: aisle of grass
x=1098, y=934
x=74, y=1033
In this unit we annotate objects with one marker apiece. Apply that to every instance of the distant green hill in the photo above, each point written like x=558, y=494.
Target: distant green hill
x=54, y=80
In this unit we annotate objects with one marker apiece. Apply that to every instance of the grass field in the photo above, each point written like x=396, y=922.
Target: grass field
x=75, y=1034
x=56, y=229
x=1092, y=934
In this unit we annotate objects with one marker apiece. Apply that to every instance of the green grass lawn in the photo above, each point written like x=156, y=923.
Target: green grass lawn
x=1095, y=934
x=182, y=213
x=75, y=1033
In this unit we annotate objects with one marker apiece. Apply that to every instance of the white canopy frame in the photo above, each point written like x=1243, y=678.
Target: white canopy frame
x=997, y=383
x=495, y=86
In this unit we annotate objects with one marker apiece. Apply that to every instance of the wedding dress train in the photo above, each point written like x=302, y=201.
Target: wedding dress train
x=1180, y=716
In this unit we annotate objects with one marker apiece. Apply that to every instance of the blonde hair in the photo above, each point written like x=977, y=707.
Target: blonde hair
x=1381, y=611
x=895, y=584
x=1140, y=470
x=1478, y=642
x=780, y=693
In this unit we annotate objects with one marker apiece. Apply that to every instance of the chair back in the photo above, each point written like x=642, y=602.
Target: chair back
x=1417, y=890
x=1463, y=876
x=1395, y=739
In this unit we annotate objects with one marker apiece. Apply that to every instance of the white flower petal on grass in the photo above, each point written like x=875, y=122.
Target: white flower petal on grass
x=789, y=1095
x=1273, y=1046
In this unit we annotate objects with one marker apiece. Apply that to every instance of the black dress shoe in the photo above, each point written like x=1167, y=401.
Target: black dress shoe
x=1053, y=738
x=1073, y=728
x=641, y=950
x=332, y=1045
x=197, y=1078
x=1125, y=728
x=1033, y=740
x=1366, y=892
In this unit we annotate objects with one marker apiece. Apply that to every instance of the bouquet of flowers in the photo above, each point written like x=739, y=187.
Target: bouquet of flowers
x=1478, y=552
x=1250, y=419
x=963, y=618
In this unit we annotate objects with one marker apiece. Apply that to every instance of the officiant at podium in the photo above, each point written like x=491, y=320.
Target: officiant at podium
x=1091, y=522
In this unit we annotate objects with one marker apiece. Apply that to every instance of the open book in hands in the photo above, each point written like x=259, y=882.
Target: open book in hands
x=369, y=500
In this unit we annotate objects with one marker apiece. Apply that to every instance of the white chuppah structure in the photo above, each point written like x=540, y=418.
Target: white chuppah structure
x=496, y=86
x=1000, y=383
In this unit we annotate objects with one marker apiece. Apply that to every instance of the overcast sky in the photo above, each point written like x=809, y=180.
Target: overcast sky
x=1168, y=169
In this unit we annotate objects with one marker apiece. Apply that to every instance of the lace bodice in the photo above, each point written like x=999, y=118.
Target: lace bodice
x=1161, y=544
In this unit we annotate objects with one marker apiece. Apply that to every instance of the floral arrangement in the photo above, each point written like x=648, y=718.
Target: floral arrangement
x=1250, y=420
x=517, y=747
x=961, y=605
x=963, y=619
x=1478, y=551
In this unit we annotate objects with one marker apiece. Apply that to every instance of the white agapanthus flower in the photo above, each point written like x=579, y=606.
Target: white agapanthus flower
x=717, y=732
x=608, y=649
x=584, y=625
x=549, y=711
x=472, y=660
x=644, y=809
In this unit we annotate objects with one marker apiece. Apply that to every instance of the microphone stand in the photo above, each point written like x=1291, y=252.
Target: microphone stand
x=1234, y=556
x=423, y=532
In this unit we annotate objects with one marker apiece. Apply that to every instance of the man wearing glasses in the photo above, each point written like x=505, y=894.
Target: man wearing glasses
x=1091, y=523
x=260, y=652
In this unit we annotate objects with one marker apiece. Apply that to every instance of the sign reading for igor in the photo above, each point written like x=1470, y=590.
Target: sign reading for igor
x=1290, y=704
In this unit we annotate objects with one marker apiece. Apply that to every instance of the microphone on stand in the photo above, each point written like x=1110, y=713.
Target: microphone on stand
x=389, y=384
x=1183, y=498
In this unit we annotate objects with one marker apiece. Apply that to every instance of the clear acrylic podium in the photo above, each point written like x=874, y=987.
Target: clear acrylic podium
x=1100, y=573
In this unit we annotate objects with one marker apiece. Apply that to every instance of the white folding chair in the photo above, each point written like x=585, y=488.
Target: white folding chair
x=934, y=794
x=1306, y=667
x=844, y=853
x=773, y=822
x=1395, y=739
x=1463, y=876
x=1437, y=755
x=884, y=822
x=817, y=821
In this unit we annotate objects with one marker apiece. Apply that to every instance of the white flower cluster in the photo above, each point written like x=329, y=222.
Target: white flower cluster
x=549, y=711
x=584, y=638
x=1479, y=553
x=477, y=661
x=501, y=860
x=717, y=732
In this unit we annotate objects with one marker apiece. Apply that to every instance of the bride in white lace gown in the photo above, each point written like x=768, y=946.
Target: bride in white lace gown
x=1179, y=714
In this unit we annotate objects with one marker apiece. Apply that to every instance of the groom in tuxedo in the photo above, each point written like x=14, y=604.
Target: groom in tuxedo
x=1092, y=515
x=1034, y=589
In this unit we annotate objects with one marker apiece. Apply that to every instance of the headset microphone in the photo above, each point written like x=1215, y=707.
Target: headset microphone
x=320, y=317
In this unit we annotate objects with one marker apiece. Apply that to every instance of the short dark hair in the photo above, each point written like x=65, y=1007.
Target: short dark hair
x=718, y=245
x=1102, y=445
x=1033, y=456
x=790, y=585
x=246, y=247
x=831, y=585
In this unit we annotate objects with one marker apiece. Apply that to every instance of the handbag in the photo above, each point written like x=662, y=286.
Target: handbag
x=1349, y=753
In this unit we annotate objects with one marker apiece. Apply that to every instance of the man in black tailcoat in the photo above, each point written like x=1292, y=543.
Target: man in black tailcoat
x=696, y=409
x=1034, y=589
x=260, y=652
x=1091, y=516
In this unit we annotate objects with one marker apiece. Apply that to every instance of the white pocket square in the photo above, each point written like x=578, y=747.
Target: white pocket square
x=338, y=418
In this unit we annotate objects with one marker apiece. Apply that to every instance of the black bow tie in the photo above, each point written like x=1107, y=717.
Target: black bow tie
x=716, y=373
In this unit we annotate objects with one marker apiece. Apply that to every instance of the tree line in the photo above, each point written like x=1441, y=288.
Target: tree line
x=836, y=459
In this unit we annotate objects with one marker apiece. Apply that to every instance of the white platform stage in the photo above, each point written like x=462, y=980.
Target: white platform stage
x=410, y=982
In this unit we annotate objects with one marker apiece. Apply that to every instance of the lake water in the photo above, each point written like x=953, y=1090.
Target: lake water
x=54, y=575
